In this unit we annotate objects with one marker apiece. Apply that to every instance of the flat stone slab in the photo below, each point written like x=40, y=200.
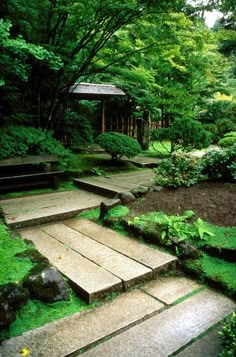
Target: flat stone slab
x=152, y=258
x=126, y=269
x=68, y=335
x=170, y=289
x=172, y=329
x=88, y=279
x=33, y=210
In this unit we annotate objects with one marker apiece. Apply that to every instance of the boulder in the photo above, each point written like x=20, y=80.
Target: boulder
x=139, y=191
x=106, y=205
x=125, y=197
x=32, y=254
x=155, y=188
x=46, y=283
x=12, y=298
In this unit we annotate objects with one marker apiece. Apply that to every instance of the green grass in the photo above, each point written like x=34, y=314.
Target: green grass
x=157, y=149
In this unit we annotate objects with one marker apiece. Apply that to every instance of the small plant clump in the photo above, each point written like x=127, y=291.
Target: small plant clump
x=178, y=170
x=118, y=145
x=228, y=336
x=229, y=139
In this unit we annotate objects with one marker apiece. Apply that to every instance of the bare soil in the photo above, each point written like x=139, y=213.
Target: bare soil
x=214, y=202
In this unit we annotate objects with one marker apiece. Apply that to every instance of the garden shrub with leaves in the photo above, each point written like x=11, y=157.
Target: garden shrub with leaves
x=220, y=164
x=118, y=145
x=178, y=170
x=18, y=141
x=228, y=336
x=229, y=139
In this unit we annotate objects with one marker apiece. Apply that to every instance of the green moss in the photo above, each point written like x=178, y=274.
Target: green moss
x=118, y=212
x=216, y=269
x=223, y=237
x=12, y=268
x=92, y=214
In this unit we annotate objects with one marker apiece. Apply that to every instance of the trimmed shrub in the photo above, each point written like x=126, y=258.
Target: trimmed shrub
x=229, y=139
x=178, y=170
x=220, y=164
x=224, y=125
x=118, y=145
x=18, y=141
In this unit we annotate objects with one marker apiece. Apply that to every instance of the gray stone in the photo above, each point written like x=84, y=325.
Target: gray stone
x=155, y=188
x=139, y=191
x=170, y=289
x=12, y=298
x=46, y=283
x=125, y=197
x=166, y=333
x=142, y=253
x=78, y=269
x=187, y=250
x=106, y=205
x=75, y=332
x=126, y=269
x=33, y=255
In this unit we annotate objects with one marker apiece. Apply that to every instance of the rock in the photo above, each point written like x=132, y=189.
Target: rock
x=106, y=205
x=139, y=191
x=187, y=250
x=155, y=188
x=46, y=283
x=110, y=221
x=125, y=197
x=12, y=298
x=33, y=255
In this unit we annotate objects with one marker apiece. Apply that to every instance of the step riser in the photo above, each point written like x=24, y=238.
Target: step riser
x=95, y=189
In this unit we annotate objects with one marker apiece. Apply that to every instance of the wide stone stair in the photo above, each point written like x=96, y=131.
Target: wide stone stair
x=97, y=260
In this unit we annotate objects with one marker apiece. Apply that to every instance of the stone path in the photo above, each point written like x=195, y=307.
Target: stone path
x=33, y=210
x=95, y=266
x=110, y=185
x=157, y=319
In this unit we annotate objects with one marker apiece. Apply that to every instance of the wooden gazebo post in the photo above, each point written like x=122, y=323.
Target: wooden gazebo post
x=103, y=116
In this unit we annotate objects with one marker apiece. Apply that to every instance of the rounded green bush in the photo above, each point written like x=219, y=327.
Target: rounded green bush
x=228, y=335
x=178, y=170
x=118, y=145
x=228, y=139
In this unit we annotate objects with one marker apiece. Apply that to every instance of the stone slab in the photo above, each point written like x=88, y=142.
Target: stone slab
x=150, y=257
x=162, y=335
x=170, y=289
x=65, y=336
x=89, y=280
x=38, y=209
x=126, y=269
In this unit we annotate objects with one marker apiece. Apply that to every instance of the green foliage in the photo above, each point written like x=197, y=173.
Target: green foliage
x=92, y=214
x=185, y=134
x=229, y=139
x=220, y=164
x=118, y=212
x=118, y=145
x=77, y=129
x=228, y=337
x=176, y=226
x=21, y=141
x=178, y=170
x=224, y=125
x=219, y=110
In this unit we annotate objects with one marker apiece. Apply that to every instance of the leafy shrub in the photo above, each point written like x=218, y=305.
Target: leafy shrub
x=77, y=129
x=218, y=110
x=220, y=164
x=228, y=335
x=212, y=128
x=178, y=170
x=21, y=141
x=224, y=125
x=185, y=133
x=228, y=139
x=118, y=145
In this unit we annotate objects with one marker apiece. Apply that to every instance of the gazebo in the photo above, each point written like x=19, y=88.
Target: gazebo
x=101, y=92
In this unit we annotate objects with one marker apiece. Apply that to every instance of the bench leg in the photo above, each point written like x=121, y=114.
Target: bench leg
x=56, y=182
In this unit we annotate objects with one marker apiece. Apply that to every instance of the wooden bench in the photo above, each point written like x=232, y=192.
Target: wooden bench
x=29, y=172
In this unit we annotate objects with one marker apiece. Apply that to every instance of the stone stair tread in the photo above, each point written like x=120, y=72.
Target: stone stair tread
x=150, y=257
x=126, y=269
x=172, y=329
x=108, y=187
x=90, y=280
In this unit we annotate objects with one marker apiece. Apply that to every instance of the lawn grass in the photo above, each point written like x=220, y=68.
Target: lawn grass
x=158, y=149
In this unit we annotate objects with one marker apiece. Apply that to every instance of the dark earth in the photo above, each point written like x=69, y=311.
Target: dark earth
x=214, y=202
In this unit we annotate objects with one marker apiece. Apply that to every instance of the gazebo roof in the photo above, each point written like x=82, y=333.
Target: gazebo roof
x=94, y=91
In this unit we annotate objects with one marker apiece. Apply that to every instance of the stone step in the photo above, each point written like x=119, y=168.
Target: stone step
x=169, y=331
x=126, y=269
x=38, y=209
x=113, y=184
x=152, y=258
x=137, y=323
x=88, y=279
